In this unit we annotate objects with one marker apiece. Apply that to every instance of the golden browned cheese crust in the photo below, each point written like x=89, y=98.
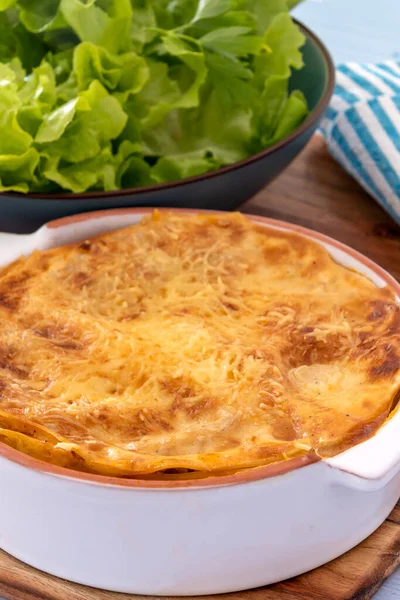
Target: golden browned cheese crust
x=195, y=342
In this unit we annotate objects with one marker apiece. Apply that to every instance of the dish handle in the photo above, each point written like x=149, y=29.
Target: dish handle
x=14, y=245
x=63, y=231
x=373, y=463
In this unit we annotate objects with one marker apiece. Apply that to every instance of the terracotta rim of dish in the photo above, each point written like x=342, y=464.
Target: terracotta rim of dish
x=245, y=476
x=314, y=116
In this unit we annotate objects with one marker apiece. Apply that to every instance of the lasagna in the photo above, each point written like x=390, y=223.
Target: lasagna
x=192, y=344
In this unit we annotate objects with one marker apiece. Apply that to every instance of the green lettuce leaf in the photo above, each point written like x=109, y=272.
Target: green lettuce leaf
x=143, y=23
x=294, y=113
x=38, y=15
x=5, y=4
x=38, y=96
x=17, y=172
x=292, y=3
x=134, y=172
x=232, y=81
x=14, y=140
x=104, y=94
x=283, y=41
x=81, y=128
x=264, y=12
x=279, y=114
x=98, y=172
x=124, y=73
x=206, y=137
x=232, y=41
x=171, y=87
x=207, y=9
x=105, y=23
x=18, y=43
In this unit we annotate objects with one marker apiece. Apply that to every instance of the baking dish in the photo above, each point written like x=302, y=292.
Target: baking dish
x=203, y=536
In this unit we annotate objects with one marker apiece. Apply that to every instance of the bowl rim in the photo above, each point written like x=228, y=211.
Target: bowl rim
x=311, y=119
x=214, y=481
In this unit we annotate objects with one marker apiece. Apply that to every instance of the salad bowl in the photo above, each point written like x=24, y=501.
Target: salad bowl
x=223, y=189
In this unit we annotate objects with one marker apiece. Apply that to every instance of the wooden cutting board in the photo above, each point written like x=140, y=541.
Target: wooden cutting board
x=316, y=193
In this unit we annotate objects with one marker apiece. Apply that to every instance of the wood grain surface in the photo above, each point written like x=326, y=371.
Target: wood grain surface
x=314, y=192
x=317, y=193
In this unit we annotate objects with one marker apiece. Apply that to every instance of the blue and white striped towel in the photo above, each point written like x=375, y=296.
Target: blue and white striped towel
x=362, y=128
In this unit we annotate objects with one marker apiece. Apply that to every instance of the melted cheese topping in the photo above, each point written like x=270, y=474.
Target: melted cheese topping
x=192, y=342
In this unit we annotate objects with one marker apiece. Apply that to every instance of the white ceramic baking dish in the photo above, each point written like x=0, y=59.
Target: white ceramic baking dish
x=197, y=537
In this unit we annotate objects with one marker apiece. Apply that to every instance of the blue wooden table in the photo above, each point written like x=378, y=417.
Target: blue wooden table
x=362, y=31
x=355, y=30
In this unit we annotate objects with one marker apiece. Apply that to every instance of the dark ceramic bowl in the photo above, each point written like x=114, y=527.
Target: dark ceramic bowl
x=223, y=189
